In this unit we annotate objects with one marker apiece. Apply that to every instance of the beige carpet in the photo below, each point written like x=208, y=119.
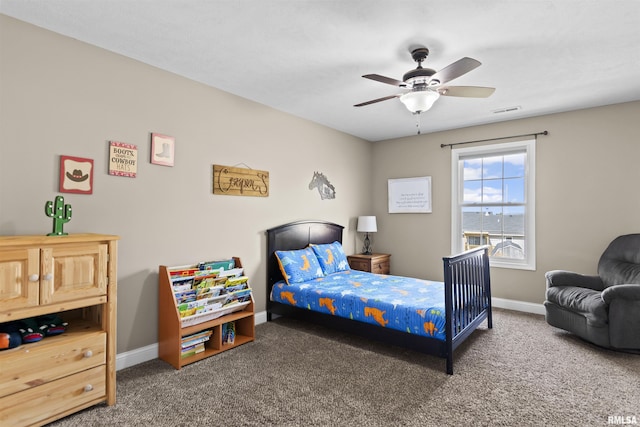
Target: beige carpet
x=521, y=373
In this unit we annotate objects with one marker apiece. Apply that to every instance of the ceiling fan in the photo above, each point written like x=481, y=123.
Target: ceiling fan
x=426, y=85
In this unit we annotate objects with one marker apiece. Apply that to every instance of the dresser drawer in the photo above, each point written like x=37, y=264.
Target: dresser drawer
x=38, y=404
x=362, y=265
x=380, y=267
x=374, y=263
x=32, y=365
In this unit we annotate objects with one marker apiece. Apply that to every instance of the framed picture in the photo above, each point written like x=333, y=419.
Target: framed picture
x=162, y=149
x=123, y=159
x=410, y=195
x=76, y=175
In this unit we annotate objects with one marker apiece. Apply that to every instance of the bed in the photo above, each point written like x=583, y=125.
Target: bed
x=436, y=325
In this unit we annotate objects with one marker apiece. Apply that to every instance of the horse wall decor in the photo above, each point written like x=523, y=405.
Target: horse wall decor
x=326, y=190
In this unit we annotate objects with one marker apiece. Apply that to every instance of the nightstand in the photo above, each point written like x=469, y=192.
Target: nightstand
x=374, y=263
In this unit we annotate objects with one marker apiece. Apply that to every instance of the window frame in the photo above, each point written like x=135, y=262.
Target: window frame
x=457, y=191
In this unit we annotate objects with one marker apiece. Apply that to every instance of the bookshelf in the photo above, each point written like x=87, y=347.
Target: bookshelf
x=175, y=330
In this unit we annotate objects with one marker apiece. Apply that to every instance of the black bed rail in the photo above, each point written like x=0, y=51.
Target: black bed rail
x=467, y=296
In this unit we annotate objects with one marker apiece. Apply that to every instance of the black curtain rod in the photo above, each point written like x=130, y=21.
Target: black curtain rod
x=494, y=139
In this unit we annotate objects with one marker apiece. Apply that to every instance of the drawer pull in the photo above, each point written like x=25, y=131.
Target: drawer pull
x=88, y=388
x=34, y=278
x=48, y=276
x=88, y=354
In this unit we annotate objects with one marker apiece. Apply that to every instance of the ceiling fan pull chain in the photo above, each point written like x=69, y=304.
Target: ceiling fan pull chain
x=417, y=114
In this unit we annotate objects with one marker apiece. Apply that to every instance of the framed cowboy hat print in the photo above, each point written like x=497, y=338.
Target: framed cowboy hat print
x=76, y=175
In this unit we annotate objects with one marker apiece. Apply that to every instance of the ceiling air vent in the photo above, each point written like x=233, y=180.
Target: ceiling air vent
x=507, y=109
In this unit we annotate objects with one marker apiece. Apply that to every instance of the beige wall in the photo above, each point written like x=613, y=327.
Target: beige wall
x=587, y=179
x=62, y=97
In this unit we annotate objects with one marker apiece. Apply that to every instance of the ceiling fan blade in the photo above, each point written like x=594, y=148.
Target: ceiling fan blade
x=456, y=69
x=467, y=91
x=373, y=101
x=383, y=79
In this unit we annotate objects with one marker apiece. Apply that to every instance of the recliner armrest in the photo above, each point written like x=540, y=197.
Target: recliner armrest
x=569, y=278
x=629, y=292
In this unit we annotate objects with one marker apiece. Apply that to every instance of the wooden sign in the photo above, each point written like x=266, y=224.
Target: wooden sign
x=123, y=159
x=240, y=181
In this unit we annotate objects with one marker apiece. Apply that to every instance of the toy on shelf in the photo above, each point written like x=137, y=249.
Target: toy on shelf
x=51, y=324
x=31, y=331
x=34, y=329
x=10, y=336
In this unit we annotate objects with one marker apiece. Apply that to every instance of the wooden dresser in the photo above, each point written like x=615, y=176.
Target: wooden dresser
x=374, y=263
x=75, y=277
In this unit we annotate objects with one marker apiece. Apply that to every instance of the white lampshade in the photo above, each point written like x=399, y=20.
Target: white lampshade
x=367, y=224
x=419, y=101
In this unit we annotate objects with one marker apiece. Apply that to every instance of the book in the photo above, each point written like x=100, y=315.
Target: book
x=234, y=272
x=203, y=333
x=182, y=288
x=237, y=297
x=214, y=265
x=208, y=292
x=194, y=342
x=192, y=350
x=197, y=338
x=206, y=281
x=231, y=289
x=199, y=306
x=185, y=296
x=235, y=284
x=234, y=281
x=228, y=332
x=183, y=272
x=182, y=281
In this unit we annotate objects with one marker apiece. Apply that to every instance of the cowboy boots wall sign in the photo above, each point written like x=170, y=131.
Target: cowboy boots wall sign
x=123, y=159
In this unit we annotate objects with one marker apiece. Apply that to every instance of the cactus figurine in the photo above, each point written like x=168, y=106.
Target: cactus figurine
x=60, y=213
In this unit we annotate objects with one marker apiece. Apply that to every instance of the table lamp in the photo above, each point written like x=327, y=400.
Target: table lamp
x=367, y=224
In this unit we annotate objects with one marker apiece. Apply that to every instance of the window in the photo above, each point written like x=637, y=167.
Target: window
x=493, y=202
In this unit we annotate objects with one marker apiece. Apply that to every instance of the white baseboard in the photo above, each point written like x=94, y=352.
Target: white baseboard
x=509, y=304
x=134, y=357
x=150, y=352
x=261, y=317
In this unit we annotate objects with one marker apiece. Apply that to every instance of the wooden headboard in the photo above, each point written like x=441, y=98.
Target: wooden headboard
x=296, y=235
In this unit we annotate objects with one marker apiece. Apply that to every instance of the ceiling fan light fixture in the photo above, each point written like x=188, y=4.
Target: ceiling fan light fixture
x=419, y=101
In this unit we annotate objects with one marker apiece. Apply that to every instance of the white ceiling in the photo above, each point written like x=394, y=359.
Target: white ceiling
x=307, y=57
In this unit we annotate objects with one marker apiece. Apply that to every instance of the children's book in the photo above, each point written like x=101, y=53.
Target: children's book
x=183, y=272
x=205, y=333
x=204, y=281
x=194, y=339
x=228, y=332
x=181, y=288
x=182, y=282
x=192, y=350
x=234, y=272
x=208, y=292
x=235, y=284
x=215, y=265
x=237, y=297
x=186, y=296
x=234, y=281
